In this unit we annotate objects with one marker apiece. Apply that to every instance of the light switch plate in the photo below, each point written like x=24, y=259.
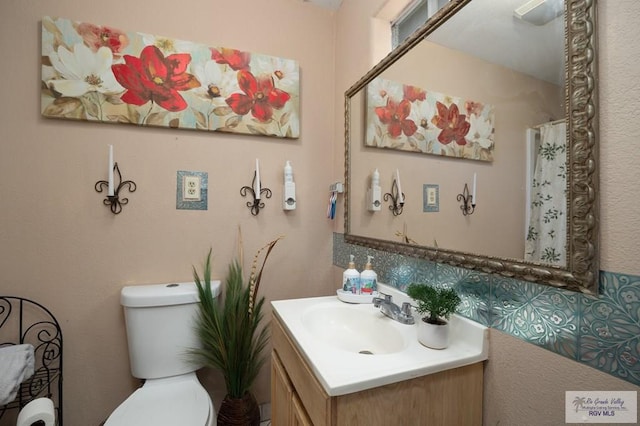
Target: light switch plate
x=191, y=190
x=430, y=198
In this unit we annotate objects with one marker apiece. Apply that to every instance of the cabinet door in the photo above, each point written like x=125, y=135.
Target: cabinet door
x=299, y=416
x=281, y=394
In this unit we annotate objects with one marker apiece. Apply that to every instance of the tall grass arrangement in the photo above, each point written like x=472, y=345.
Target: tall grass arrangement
x=230, y=332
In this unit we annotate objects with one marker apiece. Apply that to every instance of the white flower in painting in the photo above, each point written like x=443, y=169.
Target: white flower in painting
x=285, y=72
x=379, y=90
x=215, y=84
x=421, y=113
x=480, y=131
x=83, y=71
x=292, y=127
x=374, y=136
x=167, y=45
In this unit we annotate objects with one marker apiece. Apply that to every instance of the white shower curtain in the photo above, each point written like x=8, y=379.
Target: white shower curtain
x=547, y=235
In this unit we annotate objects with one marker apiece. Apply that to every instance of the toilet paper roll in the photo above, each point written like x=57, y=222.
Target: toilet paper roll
x=40, y=409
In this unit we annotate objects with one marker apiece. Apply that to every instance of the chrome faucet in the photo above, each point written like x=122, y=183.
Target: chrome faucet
x=393, y=311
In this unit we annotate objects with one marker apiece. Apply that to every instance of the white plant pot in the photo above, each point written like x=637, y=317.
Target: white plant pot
x=433, y=336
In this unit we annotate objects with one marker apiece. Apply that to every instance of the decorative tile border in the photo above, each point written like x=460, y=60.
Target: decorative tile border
x=600, y=331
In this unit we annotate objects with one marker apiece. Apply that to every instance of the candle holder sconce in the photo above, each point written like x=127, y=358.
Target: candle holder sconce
x=397, y=199
x=115, y=202
x=468, y=206
x=256, y=204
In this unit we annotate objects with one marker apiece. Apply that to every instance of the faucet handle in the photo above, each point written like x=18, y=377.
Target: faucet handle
x=406, y=308
x=406, y=313
x=387, y=297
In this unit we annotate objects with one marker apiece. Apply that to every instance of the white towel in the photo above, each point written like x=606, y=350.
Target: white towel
x=16, y=366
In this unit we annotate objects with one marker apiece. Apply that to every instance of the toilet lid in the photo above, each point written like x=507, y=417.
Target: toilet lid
x=183, y=403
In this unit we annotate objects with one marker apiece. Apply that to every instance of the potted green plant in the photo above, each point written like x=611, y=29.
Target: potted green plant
x=436, y=306
x=232, y=337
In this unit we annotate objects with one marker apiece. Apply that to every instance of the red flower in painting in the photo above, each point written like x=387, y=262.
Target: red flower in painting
x=236, y=59
x=152, y=77
x=96, y=37
x=412, y=93
x=473, y=107
x=260, y=96
x=453, y=124
x=394, y=115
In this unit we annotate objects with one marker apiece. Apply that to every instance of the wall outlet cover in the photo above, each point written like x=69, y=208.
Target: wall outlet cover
x=191, y=190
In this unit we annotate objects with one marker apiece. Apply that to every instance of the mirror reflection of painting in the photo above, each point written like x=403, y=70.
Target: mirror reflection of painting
x=409, y=118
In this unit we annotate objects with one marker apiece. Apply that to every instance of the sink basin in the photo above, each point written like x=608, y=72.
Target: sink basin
x=354, y=347
x=349, y=328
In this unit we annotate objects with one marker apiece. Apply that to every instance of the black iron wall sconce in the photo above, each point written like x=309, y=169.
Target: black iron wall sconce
x=468, y=205
x=397, y=198
x=113, y=199
x=256, y=191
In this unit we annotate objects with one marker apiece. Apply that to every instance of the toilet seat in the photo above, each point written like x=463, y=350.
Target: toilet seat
x=170, y=401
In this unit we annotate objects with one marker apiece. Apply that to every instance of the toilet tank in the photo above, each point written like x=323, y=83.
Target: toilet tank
x=160, y=322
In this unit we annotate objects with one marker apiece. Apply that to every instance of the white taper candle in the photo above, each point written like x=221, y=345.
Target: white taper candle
x=110, y=172
x=400, y=196
x=474, y=194
x=257, y=186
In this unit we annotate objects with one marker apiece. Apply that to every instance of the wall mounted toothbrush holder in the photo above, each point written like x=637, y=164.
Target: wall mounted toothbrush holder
x=255, y=192
x=468, y=205
x=113, y=200
x=397, y=199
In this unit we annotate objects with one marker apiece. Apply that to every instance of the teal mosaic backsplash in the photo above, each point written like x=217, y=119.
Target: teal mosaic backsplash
x=600, y=331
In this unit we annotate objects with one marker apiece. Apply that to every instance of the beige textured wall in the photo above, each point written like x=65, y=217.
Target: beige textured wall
x=61, y=246
x=525, y=385
x=619, y=86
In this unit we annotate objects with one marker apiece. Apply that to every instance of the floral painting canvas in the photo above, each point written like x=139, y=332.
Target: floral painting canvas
x=408, y=118
x=99, y=73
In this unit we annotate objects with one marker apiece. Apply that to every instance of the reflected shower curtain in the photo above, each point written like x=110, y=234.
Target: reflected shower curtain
x=547, y=235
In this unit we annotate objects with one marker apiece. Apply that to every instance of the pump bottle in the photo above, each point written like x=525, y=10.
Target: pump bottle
x=368, y=278
x=351, y=278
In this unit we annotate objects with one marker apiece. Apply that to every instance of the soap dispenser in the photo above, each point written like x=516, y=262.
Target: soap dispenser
x=289, y=189
x=374, y=193
x=351, y=278
x=368, y=278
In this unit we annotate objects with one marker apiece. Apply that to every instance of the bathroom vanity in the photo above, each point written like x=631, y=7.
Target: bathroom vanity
x=316, y=380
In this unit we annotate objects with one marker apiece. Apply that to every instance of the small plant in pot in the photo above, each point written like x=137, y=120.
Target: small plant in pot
x=436, y=306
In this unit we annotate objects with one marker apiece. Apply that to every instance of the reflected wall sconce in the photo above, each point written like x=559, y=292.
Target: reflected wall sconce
x=469, y=201
x=396, y=196
x=113, y=199
x=255, y=190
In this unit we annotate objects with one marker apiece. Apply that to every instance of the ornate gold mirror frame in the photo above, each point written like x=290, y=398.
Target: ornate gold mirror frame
x=582, y=270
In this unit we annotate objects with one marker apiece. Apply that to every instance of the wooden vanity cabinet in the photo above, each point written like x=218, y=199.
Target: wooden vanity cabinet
x=451, y=397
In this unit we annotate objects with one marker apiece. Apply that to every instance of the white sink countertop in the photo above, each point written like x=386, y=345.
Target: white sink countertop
x=342, y=371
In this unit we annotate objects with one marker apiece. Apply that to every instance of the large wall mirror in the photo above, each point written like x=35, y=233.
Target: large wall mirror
x=498, y=96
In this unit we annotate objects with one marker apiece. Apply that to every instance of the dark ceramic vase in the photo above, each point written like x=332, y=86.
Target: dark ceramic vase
x=239, y=411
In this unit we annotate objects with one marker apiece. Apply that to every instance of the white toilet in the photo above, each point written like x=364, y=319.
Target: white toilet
x=160, y=332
